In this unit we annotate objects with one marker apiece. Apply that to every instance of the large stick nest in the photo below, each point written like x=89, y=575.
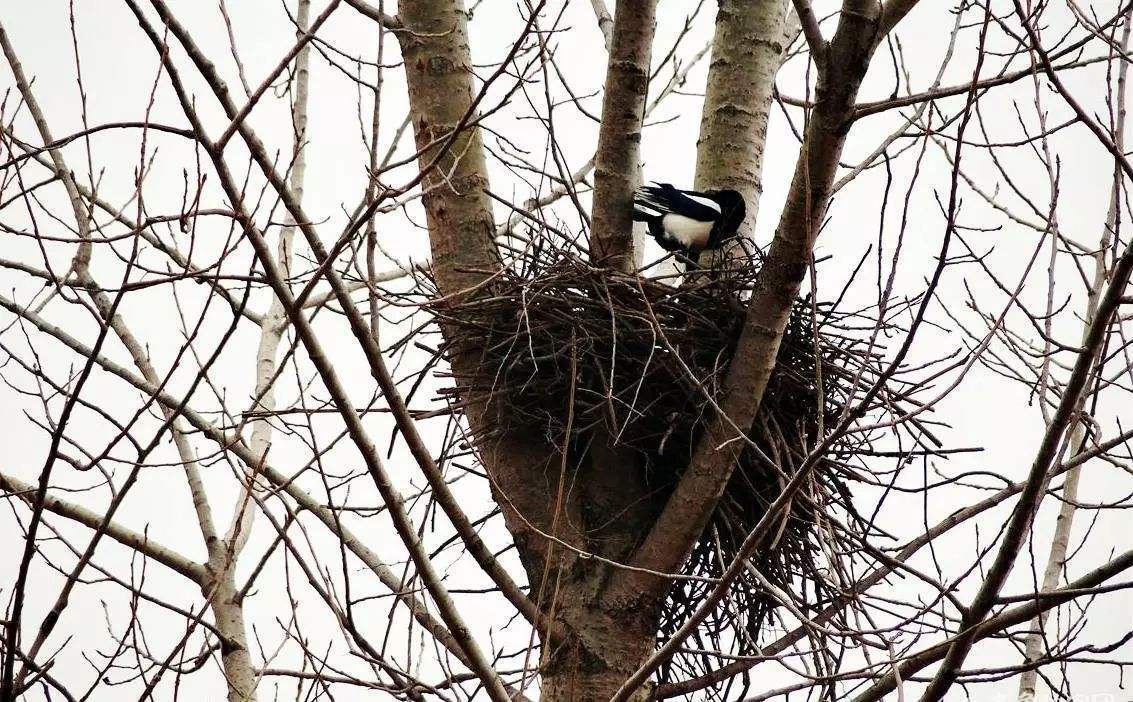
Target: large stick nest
x=644, y=360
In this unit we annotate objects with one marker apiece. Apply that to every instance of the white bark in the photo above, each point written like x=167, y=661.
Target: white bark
x=749, y=47
x=275, y=321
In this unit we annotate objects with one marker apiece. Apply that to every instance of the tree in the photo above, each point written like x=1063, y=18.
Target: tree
x=444, y=476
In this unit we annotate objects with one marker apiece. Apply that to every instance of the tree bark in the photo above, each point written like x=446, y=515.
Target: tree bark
x=747, y=51
x=228, y=613
x=619, y=136
x=592, y=665
x=438, y=68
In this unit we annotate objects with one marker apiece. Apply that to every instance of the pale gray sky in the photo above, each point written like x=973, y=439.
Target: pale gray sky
x=118, y=70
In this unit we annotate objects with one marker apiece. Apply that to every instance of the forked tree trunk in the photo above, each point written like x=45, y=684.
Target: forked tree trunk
x=595, y=632
x=523, y=469
x=590, y=652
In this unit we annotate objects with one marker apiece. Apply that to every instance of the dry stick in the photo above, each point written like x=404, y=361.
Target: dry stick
x=1056, y=559
x=390, y=23
x=402, y=523
x=560, y=493
x=274, y=323
x=235, y=444
x=31, y=152
x=1023, y=515
x=1040, y=603
x=360, y=329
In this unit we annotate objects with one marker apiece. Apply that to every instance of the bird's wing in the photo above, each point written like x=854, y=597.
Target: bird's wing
x=665, y=199
x=702, y=199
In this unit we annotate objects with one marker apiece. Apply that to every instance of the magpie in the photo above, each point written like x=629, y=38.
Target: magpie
x=688, y=221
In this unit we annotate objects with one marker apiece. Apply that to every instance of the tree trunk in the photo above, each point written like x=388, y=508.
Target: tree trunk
x=619, y=136
x=228, y=612
x=747, y=51
x=524, y=470
x=438, y=69
x=594, y=664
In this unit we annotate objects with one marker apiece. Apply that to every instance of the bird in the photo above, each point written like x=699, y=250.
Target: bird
x=689, y=221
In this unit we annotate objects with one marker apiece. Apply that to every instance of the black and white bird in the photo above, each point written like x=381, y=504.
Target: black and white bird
x=689, y=221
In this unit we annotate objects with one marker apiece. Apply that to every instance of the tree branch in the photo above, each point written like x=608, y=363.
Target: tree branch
x=458, y=218
x=140, y=542
x=812, y=32
x=1042, y=602
x=619, y=136
x=287, y=483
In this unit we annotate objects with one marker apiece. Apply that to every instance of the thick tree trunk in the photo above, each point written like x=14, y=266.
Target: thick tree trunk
x=592, y=666
x=524, y=470
x=438, y=69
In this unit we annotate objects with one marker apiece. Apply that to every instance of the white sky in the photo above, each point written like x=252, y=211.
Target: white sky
x=118, y=68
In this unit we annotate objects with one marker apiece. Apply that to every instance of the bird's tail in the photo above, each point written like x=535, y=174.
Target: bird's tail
x=645, y=205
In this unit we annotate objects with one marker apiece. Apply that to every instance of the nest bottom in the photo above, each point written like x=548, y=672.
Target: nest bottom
x=640, y=358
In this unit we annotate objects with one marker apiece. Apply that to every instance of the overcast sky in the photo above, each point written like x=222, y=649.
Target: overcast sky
x=118, y=69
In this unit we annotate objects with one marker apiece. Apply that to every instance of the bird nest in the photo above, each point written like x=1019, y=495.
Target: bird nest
x=644, y=359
